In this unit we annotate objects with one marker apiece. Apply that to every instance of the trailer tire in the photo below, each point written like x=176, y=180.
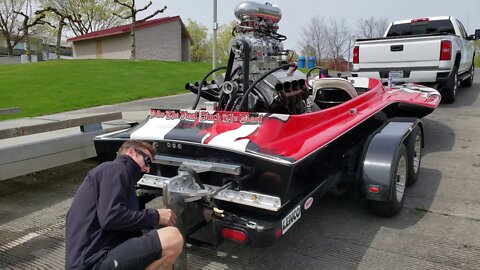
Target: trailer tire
x=394, y=204
x=413, y=144
x=449, y=90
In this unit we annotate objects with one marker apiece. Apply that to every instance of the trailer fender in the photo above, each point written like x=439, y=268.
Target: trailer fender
x=381, y=152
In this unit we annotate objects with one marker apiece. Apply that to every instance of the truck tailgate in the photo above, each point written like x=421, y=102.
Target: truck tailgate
x=400, y=52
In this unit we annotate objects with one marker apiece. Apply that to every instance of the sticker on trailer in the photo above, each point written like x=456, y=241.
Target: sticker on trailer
x=308, y=203
x=291, y=218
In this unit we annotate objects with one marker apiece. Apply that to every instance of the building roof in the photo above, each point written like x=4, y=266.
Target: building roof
x=122, y=29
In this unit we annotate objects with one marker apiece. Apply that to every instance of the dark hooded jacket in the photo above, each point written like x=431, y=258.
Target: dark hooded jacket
x=105, y=212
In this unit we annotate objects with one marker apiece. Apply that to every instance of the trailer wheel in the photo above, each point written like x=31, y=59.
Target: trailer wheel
x=393, y=205
x=414, y=144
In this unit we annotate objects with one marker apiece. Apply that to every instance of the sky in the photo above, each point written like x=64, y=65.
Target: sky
x=296, y=14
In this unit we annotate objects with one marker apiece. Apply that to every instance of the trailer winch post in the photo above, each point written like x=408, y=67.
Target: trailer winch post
x=175, y=201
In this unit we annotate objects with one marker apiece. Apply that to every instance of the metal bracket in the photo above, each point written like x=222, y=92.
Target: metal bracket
x=197, y=165
x=183, y=188
x=180, y=187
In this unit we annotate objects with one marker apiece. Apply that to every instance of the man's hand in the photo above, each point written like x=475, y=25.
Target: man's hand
x=167, y=217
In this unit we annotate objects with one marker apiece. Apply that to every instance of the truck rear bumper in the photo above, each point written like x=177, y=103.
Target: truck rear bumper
x=409, y=76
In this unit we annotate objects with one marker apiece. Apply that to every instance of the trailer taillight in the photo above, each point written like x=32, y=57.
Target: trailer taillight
x=356, y=55
x=235, y=235
x=373, y=189
x=445, y=50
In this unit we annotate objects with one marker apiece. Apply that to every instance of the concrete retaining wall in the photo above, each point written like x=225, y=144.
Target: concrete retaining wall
x=7, y=60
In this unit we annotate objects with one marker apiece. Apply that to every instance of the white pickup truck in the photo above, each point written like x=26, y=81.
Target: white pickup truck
x=434, y=51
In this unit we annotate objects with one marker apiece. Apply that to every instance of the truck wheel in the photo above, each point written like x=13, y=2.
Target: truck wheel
x=393, y=205
x=413, y=144
x=469, y=81
x=449, y=90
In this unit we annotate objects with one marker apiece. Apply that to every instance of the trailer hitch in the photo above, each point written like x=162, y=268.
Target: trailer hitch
x=181, y=187
x=176, y=191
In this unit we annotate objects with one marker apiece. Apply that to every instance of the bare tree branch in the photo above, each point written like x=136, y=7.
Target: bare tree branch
x=27, y=24
x=314, y=39
x=338, y=37
x=63, y=16
x=371, y=27
x=145, y=7
x=87, y=15
x=122, y=4
x=9, y=23
x=153, y=15
x=121, y=16
x=133, y=16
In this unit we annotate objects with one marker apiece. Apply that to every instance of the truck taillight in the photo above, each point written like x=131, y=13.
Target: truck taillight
x=356, y=55
x=445, y=50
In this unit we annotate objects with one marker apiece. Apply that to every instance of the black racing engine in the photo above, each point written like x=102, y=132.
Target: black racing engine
x=259, y=76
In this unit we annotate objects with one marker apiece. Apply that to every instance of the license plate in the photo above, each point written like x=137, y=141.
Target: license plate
x=291, y=218
x=395, y=74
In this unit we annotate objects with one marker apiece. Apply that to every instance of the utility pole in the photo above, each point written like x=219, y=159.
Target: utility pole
x=214, y=42
x=349, y=50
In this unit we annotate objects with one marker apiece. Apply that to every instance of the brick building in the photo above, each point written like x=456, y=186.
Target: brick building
x=159, y=39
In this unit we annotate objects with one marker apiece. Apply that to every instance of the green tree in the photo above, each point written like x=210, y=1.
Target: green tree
x=200, y=47
x=307, y=50
x=131, y=13
x=28, y=22
x=87, y=15
x=223, y=41
x=45, y=35
x=476, y=43
x=2, y=40
x=58, y=14
x=10, y=23
x=62, y=18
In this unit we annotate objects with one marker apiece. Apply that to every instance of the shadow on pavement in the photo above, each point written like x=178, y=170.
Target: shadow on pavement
x=338, y=231
x=438, y=137
x=335, y=234
x=466, y=96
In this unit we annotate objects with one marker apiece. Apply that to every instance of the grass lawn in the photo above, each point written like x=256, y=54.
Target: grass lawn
x=56, y=86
